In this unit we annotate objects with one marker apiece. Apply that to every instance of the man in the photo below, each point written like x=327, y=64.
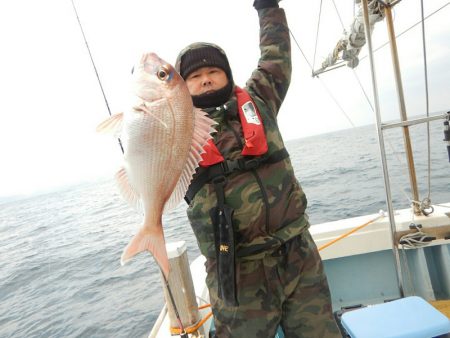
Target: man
x=246, y=207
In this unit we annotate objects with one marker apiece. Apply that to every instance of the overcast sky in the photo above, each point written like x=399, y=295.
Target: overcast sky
x=51, y=101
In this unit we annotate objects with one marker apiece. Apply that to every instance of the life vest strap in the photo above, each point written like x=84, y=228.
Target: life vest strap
x=228, y=167
x=222, y=217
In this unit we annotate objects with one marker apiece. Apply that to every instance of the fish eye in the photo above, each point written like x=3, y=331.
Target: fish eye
x=163, y=73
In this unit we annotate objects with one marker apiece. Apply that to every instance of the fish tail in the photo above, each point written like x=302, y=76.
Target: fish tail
x=148, y=240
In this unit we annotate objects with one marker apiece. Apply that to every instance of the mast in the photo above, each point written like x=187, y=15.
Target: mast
x=347, y=49
x=402, y=106
x=390, y=208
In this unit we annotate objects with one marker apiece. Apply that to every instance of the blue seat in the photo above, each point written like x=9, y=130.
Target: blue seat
x=410, y=317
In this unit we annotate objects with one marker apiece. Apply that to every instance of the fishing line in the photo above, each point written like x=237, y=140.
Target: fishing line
x=172, y=300
x=183, y=334
x=95, y=68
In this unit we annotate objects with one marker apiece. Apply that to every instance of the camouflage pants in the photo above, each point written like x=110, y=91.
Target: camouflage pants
x=287, y=288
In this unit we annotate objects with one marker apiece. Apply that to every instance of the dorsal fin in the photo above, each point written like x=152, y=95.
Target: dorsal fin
x=203, y=127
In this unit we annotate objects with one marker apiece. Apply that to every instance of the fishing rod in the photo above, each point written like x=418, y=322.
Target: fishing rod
x=183, y=333
x=95, y=68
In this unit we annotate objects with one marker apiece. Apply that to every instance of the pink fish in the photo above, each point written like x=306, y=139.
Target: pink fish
x=163, y=137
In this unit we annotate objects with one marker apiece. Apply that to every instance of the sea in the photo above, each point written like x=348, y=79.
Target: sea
x=60, y=272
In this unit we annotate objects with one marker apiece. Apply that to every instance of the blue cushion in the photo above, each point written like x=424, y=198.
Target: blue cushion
x=410, y=317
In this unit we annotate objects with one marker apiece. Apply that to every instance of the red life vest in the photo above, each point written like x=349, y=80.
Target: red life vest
x=253, y=129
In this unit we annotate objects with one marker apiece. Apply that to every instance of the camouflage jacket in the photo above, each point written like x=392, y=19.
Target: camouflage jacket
x=269, y=204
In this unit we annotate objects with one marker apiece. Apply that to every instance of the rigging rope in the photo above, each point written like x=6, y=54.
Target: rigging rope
x=363, y=90
x=193, y=328
x=317, y=37
x=391, y=147
x=417, y=239
x=326, y=245
x=93, y=64
x=425, y=204
x=341, y=63
x=339, y=16
x=427, y=101
x=408, y=29
x=354, y=71
x=323, y=83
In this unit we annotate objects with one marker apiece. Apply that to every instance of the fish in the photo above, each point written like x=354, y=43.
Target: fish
x=163, y=137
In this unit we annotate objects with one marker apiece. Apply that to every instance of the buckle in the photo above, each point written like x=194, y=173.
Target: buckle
x=219, y=180
x=230, y=166
x=251, y=164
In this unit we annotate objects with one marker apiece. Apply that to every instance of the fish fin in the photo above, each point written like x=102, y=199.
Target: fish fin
x=112, y=125
x=126, y=190
x=148, y=240
x=203, y=127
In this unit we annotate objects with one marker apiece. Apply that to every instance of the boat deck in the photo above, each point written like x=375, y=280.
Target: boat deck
x=443, y=306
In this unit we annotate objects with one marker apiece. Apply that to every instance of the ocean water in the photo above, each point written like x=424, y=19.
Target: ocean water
x=60, y=273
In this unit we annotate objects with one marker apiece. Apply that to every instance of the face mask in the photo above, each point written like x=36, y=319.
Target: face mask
x=214, y=99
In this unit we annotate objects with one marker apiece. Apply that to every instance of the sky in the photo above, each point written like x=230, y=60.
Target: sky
x=51, y=101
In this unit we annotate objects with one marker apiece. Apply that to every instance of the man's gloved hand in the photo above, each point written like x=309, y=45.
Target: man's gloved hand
x=260, y=4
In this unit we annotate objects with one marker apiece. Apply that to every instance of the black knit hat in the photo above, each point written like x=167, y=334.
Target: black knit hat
x=205, y=56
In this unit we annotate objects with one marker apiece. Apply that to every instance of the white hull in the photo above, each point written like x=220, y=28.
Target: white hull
x=360, y=267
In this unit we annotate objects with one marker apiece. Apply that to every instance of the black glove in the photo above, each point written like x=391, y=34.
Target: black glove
x=260, y=4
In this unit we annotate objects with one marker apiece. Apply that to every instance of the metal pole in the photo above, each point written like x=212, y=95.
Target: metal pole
x=402, y=106
x=413, y=122
x=387, y=185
